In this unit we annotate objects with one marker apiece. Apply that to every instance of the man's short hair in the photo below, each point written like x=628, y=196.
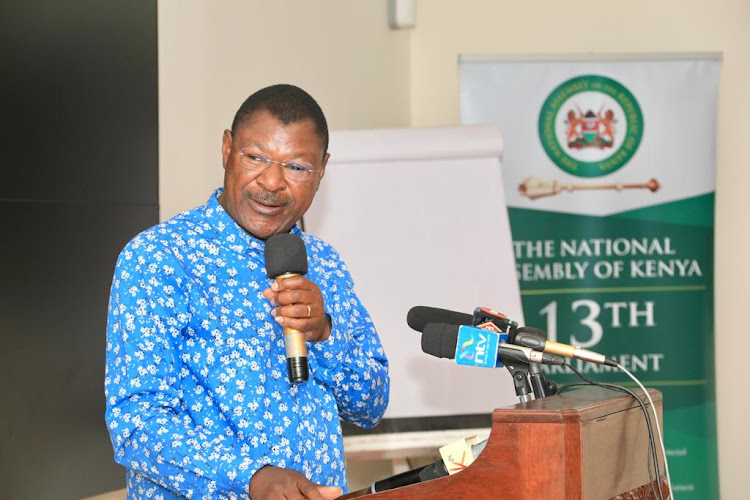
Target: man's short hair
x=288, y=104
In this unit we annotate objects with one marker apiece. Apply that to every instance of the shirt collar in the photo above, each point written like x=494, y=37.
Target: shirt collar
x=229, y=232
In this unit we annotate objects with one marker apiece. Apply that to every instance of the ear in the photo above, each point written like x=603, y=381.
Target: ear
x=323, y=167
x=226, y=147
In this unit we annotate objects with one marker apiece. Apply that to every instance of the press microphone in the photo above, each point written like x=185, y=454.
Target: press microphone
x=285, y=257
x=483, y=317
x=535, y=339
x=419, y=316
x=472, y=346
x=434, y=470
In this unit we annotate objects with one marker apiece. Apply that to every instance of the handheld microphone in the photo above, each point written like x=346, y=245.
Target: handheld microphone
x=476, y=347
x=286, y=256
x=434, y=470
x=535, y=339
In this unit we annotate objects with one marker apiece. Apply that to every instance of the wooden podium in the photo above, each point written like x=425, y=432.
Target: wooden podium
x=588, y=444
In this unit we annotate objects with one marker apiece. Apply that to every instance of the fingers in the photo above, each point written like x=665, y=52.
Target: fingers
x=296, y=282
x=294, y=290
x=314, y=491
x=289, y=297
x=298, y=311
x=311, y=491
x=299, y=305
x=316, y=327
x=330, y=492
x=272, y=482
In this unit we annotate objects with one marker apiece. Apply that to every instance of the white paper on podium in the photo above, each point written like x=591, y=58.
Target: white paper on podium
x=419, y=217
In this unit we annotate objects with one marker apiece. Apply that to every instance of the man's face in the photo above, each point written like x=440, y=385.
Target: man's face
x=264, y=202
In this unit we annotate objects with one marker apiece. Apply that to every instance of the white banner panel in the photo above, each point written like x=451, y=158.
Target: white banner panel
x=419, y=216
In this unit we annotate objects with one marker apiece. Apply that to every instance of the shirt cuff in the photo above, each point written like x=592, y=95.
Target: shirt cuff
x=330, y=353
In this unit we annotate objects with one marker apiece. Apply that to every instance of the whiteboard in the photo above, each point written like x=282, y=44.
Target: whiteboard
x=419, y=217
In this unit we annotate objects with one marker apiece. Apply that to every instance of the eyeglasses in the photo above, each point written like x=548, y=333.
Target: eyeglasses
x=297, y=171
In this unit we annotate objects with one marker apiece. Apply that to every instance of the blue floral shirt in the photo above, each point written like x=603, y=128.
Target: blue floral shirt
x=198, y=397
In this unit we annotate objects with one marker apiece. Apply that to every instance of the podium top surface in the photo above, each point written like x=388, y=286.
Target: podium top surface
x=579, y=405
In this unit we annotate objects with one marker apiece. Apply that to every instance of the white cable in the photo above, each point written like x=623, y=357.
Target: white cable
x=658, y=429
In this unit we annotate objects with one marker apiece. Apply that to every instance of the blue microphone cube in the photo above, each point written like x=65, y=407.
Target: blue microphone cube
x=477, y=347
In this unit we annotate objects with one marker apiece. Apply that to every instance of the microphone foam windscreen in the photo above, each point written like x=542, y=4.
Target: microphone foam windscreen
x=440, y=340
x=285, y=253
x=419, y=316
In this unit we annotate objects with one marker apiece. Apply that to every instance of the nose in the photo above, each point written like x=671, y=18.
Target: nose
x=272, y=178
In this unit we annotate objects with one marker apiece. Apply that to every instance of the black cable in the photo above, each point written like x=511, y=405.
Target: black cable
x=652, y=442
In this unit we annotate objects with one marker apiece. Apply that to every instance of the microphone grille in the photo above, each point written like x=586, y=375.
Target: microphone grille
x=434, y=470
x=285, y=253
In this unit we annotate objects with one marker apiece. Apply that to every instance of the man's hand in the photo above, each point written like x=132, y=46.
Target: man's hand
x=299, y=306
x=276, y=483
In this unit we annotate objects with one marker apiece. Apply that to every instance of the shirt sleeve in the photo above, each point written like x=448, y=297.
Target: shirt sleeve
x=351, y=361
x=151, y=430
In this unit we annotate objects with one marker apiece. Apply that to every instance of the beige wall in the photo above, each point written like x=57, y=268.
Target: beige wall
x=446, y=28
x=213, y=54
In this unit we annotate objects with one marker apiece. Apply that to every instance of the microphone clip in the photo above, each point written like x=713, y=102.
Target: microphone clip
x=489, y=319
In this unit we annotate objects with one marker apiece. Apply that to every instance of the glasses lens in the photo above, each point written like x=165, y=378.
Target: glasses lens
x=297, y=171
x=253, y=161
x=293, y=171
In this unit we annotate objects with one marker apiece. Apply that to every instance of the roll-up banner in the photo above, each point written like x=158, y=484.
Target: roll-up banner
x=609, y=174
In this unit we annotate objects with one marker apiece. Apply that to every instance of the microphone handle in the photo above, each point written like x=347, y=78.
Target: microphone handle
x=404, y=479
x=296, y=350
x=435, y=470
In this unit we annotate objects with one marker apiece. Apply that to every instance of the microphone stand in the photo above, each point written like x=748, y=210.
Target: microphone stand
x=542, y=387
x=539, y=386
x=520, y=374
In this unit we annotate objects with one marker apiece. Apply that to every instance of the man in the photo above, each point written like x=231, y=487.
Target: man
x=199, y=404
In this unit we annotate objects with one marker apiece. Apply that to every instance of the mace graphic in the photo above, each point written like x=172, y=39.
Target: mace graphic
x=534, y=188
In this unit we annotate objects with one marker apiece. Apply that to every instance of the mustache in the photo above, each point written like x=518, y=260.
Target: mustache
x=267, y=198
